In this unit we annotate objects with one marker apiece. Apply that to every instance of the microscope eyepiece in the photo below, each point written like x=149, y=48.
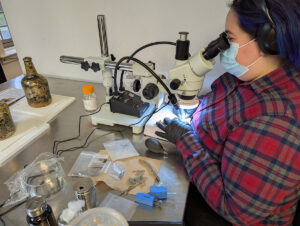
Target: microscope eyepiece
x=216, y=46
x=182, y=47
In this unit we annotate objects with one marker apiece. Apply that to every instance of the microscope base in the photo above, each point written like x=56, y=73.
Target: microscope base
x=106, y=117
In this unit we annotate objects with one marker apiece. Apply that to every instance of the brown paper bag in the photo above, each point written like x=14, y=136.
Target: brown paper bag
x=130, y=165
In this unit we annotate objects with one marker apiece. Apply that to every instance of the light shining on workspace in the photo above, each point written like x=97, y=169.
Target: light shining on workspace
x=149, y=112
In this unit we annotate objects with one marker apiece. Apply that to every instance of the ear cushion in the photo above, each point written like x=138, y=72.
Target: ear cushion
x=267, y=40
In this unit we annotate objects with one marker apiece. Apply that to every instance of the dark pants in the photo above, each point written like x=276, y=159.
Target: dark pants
x=198, y=212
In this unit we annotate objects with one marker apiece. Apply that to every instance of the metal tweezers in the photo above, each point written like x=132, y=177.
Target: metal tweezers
x=151, y=168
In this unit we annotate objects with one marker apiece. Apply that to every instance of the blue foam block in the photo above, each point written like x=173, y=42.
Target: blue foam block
x=158, y=192
x=144, y=198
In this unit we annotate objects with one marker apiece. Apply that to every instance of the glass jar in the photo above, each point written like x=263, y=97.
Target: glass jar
x=39, y=213
x=35, y=86
x=7, y=126
x=89, y=98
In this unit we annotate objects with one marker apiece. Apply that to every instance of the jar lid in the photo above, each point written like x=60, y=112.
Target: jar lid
x=88, y=89
x=83, y=186
x=100, y=216
x=35, y=206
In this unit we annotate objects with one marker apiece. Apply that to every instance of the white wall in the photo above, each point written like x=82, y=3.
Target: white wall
x=46, y=29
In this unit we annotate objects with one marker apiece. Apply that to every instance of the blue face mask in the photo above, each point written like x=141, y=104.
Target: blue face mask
x=229, y=62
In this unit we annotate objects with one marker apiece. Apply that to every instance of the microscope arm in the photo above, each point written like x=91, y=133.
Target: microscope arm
x=187, y=76
x=107, y=65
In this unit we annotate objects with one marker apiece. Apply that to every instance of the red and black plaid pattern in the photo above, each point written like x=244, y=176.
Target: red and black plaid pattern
x=244, y=152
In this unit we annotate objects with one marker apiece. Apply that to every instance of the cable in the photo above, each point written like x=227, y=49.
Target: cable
x=171, y=96
x=12, y=208
x=9, y=210
x=59, y=152
x=2, y=221
x=146, y=67
x=57, y=142
x=79, y=126
x=138, y=50
x=150, y=114
x=2, y=204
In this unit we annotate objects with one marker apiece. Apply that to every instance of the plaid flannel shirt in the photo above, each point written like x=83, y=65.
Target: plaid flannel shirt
x=244, y=152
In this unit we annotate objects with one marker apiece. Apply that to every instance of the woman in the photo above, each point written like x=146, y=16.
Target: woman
x=243, y=150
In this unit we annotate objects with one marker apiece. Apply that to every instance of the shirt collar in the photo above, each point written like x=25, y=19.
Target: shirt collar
x=276, y=77
x=226, y=80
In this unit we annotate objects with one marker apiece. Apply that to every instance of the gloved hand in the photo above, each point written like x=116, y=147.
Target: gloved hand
x=173, y=129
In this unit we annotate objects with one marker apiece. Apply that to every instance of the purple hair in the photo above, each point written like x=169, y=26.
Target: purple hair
x=286, y=16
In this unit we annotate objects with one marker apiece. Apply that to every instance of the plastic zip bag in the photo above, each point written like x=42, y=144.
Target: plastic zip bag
x=120, y=149
x=114, y=170
x=16, y=186
x=88, y=164
x=18, y=183
x=124, y=206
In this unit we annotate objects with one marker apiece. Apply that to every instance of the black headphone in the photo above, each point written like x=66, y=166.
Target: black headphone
x=266, y=33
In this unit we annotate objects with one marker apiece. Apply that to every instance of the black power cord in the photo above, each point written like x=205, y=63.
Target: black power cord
x=140, y=49
x=2, y=204
x=2, y=221
x=171, y=96
x=166, y=104
x=142, y=64
x=12, y=208
x=9, y=210
x=57, y=142
x=60, y=152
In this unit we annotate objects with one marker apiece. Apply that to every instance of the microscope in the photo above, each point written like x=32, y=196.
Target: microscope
x=134, y=108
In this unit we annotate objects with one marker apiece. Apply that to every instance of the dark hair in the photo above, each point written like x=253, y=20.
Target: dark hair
x=286, y=16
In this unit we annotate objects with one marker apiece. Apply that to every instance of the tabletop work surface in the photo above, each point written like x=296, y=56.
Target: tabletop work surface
x=172, y=173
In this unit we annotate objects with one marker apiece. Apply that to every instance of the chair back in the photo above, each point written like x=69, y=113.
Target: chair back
x=296, y=221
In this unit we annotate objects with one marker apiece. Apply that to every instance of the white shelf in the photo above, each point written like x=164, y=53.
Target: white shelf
x=44, y=114
x=31, y=123
x=27, y=131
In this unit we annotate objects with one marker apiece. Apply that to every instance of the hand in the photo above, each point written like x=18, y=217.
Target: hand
x=173, y=129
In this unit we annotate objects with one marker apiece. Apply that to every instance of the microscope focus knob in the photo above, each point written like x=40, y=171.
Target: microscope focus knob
x=113, y=58
x=95, y=67
x=136, y=85
x=175, y=84
x=85, y=65
x=150, y=91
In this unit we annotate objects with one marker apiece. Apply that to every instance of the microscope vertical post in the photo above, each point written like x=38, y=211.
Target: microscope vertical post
x=106, y=72
x=102, y=35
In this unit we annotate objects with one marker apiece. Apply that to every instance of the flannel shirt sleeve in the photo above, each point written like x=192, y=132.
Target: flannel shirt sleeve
x=260, y=166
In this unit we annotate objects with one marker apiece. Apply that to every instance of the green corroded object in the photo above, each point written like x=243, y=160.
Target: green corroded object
x=7, y=126
x=35, y=86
